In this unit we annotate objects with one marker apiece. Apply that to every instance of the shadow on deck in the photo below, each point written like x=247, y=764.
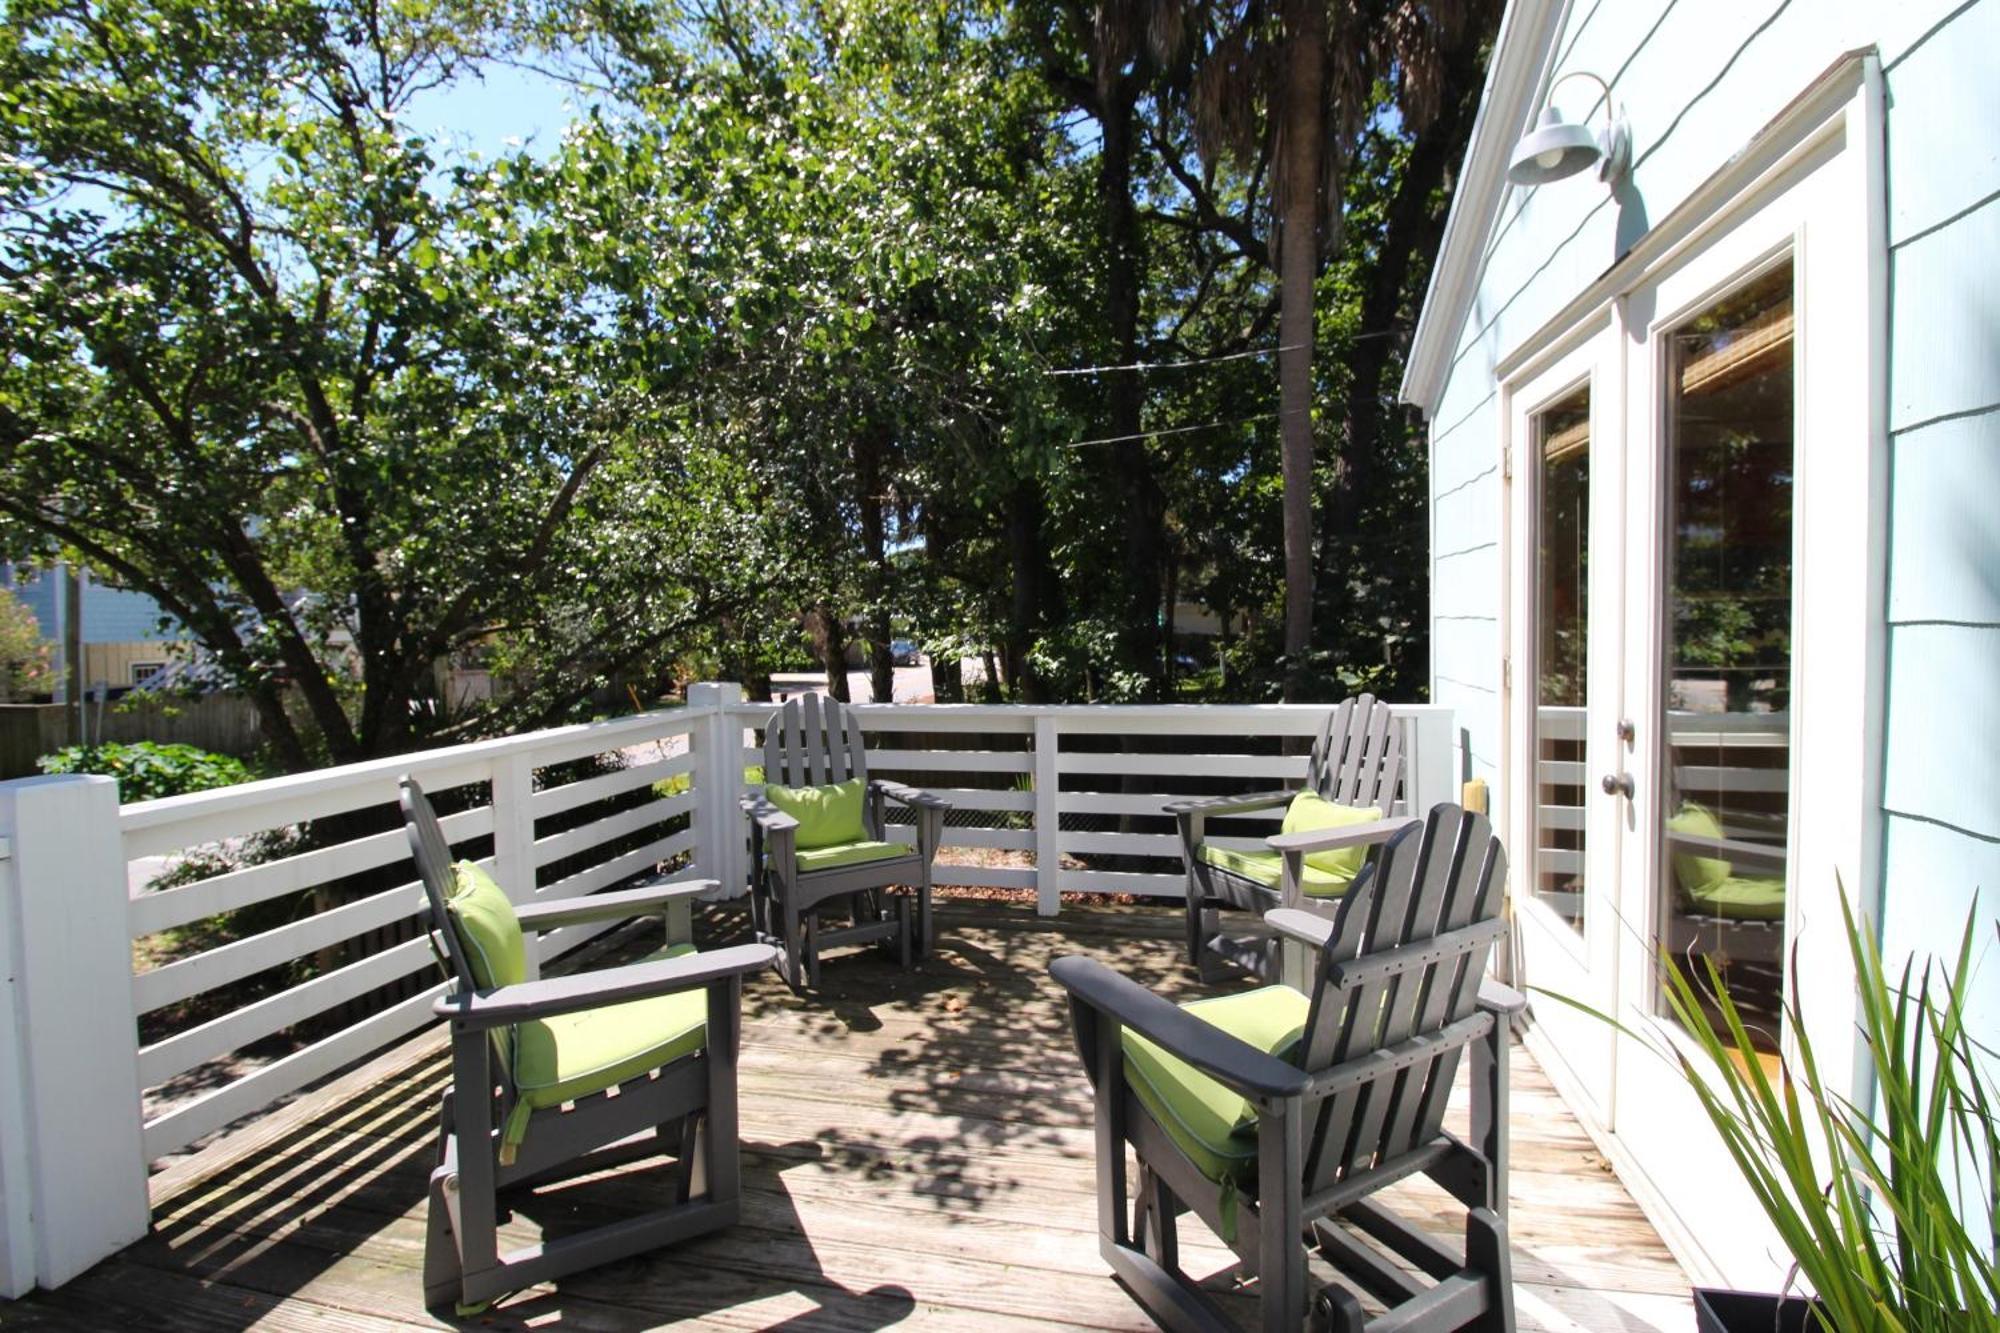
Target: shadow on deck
x=916, y=1147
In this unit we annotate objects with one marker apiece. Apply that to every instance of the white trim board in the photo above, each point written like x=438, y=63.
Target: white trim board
x=1514, y=82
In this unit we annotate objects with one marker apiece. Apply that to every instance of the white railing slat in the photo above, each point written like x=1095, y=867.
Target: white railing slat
x=1279, y=767
x=994, y=877
x=253, y=1022
x=1143, y=803
x=586, y=836
x=186, y=1123
x=554, y=800
x=949, y=761
x=1124, y=881
x=635, y=862
x=166, y=908
x=252, y=954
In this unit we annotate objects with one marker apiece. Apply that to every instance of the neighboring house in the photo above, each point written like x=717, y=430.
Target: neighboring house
x=1715, y=571
x=123, y=642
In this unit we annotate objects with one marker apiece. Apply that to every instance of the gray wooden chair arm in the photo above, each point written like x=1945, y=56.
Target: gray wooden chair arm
x=772, y=823
x=1296, y=923
x=1499, y=999
x=645, y=901
x=1333, y=839
x=1729, y=849
x=1225, y=805
x=479, y=1010
x=910, y=796
x=767, y=816
x=1227, y=1059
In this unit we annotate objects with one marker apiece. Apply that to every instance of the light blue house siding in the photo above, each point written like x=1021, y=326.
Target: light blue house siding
x=1698, y=80
x=110, y=615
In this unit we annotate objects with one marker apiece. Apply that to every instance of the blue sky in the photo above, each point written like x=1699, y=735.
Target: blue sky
x=481, y=113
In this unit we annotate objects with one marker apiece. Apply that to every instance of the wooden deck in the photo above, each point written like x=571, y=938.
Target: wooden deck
x=916, y=1150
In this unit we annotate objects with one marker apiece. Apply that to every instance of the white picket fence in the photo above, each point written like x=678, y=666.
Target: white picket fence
x=1060, y=788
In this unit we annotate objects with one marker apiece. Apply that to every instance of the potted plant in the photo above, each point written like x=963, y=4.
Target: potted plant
x=1891, y=1211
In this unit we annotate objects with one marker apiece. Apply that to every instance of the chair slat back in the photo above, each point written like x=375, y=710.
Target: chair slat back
x=434, y=867
x=813, y=741
x=1358, y=758
x=1404, y=960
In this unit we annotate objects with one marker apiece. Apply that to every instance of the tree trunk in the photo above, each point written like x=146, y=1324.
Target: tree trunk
x=1299, y=210
x=829, y=639
x=1412, y=231
x=870, y=448
x=1037, y=593
x=1136, y=479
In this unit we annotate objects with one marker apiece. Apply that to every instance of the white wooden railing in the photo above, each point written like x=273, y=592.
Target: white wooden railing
x=1062, y=789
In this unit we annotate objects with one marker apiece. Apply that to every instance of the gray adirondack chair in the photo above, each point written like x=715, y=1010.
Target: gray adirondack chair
x=814, y=741
x=657, y=1044
x=1357, y=760
x=1338, y=1089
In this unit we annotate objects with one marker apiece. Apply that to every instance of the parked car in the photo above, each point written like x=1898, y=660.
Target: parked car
x=904, y=653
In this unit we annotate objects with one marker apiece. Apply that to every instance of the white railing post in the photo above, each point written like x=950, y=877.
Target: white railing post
x=717, y=741
x=72, y=1165
x=1048, y=817
x=514, y=834
x=1433, y=766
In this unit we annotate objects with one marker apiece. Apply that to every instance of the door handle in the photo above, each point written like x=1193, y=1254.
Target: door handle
x=1618, y=784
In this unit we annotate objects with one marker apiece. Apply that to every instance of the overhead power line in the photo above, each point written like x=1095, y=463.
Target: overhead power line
x=1175, y=365
x=1179, y=430
x=1142, y=366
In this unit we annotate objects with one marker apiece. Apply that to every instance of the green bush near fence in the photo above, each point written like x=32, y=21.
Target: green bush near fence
x=146, y=770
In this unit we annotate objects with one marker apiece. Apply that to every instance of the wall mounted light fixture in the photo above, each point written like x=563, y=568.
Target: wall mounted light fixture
x=1556, y=148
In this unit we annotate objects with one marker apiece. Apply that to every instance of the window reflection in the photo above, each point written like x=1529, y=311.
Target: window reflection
x=1562, y=453
x=1728, y=661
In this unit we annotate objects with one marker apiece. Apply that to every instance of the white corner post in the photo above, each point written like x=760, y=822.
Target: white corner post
x=1048, y=816
x=1432, y=759
x=717, y=741
x=72, y=1160
x=514, y=836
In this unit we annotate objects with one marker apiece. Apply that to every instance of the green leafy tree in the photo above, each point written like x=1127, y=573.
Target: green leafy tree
x=24, y=655
x=342, y=408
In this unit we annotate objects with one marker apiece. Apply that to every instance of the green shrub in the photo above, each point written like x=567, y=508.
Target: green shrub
x=146, y=770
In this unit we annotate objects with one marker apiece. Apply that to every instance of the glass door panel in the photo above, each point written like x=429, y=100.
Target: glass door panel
x=1726, y=669
x=1565, y=488
x=1561, y=443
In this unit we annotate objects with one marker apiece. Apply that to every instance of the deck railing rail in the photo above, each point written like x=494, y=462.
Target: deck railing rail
x=1056, y=799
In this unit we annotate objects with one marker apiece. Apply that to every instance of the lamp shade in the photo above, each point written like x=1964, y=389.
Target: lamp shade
x=1552, y=150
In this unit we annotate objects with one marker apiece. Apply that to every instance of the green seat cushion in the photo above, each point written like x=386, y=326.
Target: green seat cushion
x=486, y=927
x=827, y=815
x=850, y=853
x=1743, y=898
x=1697, y=874
x=566, y=1056
x=1214, y=1126
x=1268, y=869
x=1708, y=882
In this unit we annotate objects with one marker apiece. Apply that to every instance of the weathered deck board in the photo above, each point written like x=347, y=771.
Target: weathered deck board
x=917, y=1150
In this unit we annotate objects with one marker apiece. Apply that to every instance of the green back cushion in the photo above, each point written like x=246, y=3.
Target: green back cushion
x=827, y=815
x=1698, y=875
x=487, y=929
x=1310, y=812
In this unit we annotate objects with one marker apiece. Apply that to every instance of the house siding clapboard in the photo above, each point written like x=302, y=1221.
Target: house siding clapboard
x=1698, y=79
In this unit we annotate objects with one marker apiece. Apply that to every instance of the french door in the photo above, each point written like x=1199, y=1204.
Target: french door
x=1566, y=467
x=1695, y=480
